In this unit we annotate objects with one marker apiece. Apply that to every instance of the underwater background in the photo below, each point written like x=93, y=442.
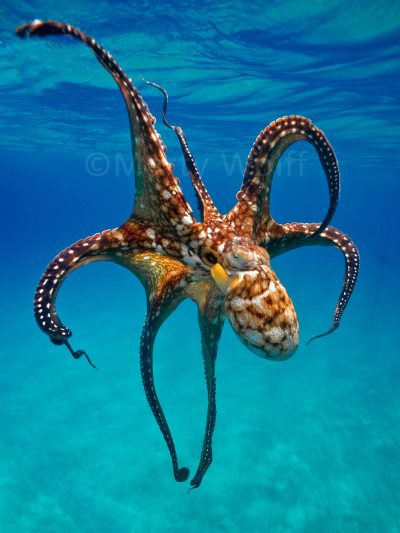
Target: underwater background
x=307, y=445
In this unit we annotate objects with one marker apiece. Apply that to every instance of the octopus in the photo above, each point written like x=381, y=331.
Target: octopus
x=220, y=261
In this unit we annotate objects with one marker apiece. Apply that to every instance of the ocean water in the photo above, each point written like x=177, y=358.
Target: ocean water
x=308, y=445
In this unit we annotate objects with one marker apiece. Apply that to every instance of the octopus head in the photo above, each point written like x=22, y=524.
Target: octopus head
x=256, y=303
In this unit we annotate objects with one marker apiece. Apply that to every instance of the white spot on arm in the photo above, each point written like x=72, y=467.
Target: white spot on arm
x=151, y=233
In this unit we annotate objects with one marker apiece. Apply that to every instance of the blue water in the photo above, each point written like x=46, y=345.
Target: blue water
x=308, y=445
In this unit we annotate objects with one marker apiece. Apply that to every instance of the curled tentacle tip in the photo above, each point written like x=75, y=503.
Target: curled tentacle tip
x=81, y=353
x=321, y=335
x=26, y=29
x=144, y=79
x=194, y=485
x=182, y=474
x=21, y=30
x=154, y=85
x=78, y=354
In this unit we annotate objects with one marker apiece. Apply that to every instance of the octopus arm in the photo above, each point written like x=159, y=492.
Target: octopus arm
x=211, y=317
x=253, y=208
x=286, y=237
x=158, y=196
x=100, y=247
x=205, y=204
x=165, y=280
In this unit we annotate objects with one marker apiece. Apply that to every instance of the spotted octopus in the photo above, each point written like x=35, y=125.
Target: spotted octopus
x=220, y=261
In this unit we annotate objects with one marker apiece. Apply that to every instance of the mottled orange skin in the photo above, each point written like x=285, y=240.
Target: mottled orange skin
x=221, y=262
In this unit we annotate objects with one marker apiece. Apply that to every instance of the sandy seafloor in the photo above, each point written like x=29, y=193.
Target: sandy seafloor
x=309, y=445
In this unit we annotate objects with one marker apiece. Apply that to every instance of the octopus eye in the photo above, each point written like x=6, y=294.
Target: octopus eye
x=239, y=260
x=210, y=257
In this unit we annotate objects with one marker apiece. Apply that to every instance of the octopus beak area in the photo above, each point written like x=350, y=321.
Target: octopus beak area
x=262, y=314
